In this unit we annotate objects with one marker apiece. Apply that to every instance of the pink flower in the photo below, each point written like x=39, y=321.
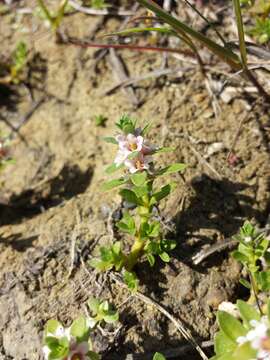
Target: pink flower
x=78, y=351
x=139, y=163
x=130, y=142
x=133, y=143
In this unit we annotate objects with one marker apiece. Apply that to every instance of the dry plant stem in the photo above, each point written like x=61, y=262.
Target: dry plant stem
x=255, y=82
x=86, y=44
x=184, y=332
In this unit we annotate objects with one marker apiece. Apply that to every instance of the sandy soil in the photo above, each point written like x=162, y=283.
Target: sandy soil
x=51, y=206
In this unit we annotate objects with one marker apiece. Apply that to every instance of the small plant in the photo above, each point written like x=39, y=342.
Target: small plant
x=74, y=343
x=54, y=19
x=135, y=157
x=253, y=253
x=261, y=30
x=19, y=60
x=100, y=120
x=244, y=339
x=14, y=67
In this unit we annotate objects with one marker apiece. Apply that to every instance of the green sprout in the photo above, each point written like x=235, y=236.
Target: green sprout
x=135, y=158
x=253, y=254
x=19, y=60
x=100, y=120
x=74, y=342
x=54, y=19
x=261, y=30
x=102, y=311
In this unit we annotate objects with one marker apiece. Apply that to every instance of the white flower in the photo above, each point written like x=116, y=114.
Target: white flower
x=229, y=307
x=247, y=239
x=258, y=338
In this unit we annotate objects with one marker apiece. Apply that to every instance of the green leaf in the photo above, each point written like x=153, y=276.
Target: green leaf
x=108, y=185
x=139, y=179
x=113, y=168
x=158, y=356
x=151, y=259
x=146, y=129
x=141, y=191
x=231, y=327
x=165, y=257
x=93, y=305
x=268, y=309
x=177, y=167
x=130, y=196
x=237, y=255
x=100, y=265
x=59, y=349
x=241, y=34
x=51, y=326
x=131, y=280
x=111, y=317
x=223, y=344
x=168, y=244
x=164, y=191
x=154, y=229
x=164, y=150
x=247, y=312
x=127, y=224
x=264, y=280
x=244, y=352
x=110, y=140
x=79, y=328
x=245, y=283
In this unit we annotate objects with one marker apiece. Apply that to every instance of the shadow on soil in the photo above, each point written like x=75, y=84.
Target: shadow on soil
x=216, y=205
x=70, y=182
x=17, y=242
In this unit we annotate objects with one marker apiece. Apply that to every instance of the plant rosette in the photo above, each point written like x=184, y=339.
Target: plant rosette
x=136, y=159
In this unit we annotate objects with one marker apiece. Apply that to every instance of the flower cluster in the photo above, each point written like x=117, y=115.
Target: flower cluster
x=72, y=348
x=134, y=152
x=258, y=337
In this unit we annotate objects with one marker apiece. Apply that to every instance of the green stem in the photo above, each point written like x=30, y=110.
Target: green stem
x=135, y=253
x=44, y=8
x=254, y=293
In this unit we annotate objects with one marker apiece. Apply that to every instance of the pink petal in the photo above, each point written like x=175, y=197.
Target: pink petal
x=83, y=348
